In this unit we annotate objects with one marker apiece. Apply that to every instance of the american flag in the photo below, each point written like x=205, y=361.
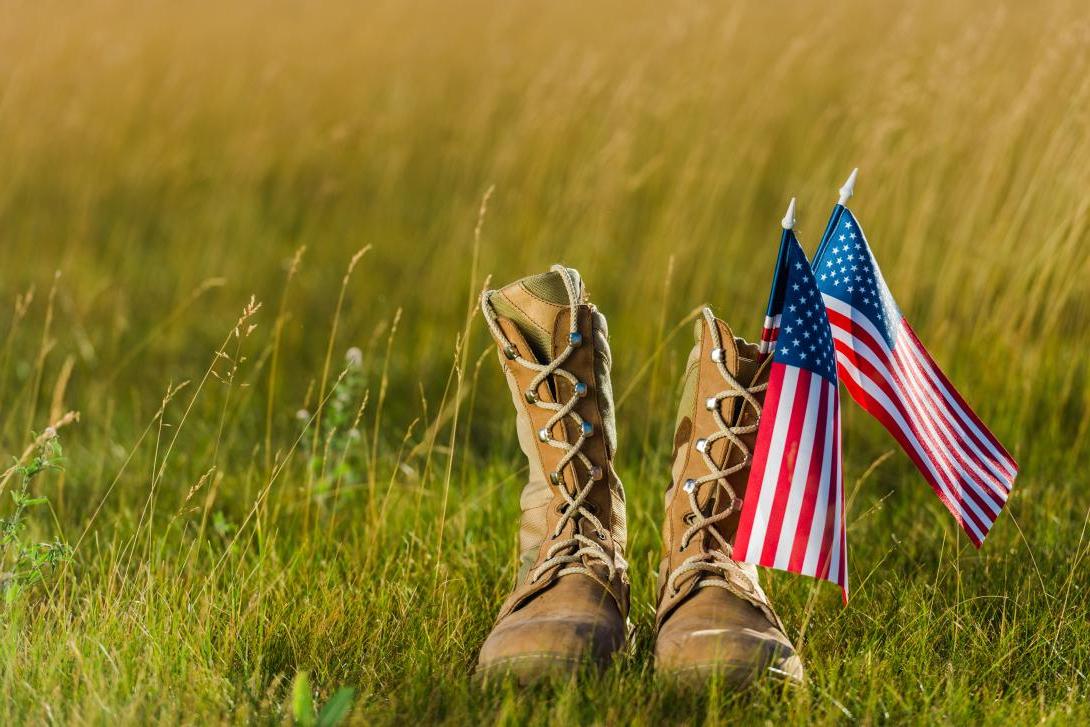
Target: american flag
x=890, y=374
x=793, y=510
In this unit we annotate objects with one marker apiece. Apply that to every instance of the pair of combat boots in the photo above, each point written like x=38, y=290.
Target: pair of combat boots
x=570, y=604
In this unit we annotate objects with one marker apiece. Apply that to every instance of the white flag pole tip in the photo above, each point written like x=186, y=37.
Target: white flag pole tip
x=848, y=189
x=789, y=218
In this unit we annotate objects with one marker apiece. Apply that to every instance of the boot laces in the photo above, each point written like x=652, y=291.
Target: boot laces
x=717, y=560
x=577, y=552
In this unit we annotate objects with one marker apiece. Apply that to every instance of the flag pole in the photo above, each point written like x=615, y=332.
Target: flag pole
x=775, y=295
x=846, y=193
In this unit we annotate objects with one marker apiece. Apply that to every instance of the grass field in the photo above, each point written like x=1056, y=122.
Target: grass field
x=248, y=502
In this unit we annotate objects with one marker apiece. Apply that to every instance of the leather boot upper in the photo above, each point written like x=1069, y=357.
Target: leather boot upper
x=554, y=351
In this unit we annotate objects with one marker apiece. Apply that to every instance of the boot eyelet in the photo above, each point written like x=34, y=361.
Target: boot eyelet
x=601, y=534
x=702, y=445
x=689, y=519
x=689, y=486
x=588, y=429
x=596, y=473
x=580, y=389
x=531, y=397
x=717, y=355
x=575, y=339
x=543, y=434
x=510, y=352
x=711, y=404
x=555, y=478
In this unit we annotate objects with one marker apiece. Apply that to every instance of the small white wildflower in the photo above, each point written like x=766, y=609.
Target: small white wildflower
x=354, y=357
x=302, y=414
x=353, y=433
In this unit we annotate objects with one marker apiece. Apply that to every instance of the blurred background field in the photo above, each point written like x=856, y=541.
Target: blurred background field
x=161, y=163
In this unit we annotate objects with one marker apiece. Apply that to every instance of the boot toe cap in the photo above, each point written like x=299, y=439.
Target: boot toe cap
x=735, y=656
x=548, y=644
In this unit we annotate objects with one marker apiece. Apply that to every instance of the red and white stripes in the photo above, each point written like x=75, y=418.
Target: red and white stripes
x=794, y=514
x=768, y=336
x=905, y=390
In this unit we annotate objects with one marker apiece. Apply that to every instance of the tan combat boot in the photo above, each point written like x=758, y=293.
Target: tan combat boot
x=713, y=616
x=570, y=602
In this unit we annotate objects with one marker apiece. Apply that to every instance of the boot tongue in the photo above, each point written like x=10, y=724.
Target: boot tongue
x=748, y=363
x=534, y=304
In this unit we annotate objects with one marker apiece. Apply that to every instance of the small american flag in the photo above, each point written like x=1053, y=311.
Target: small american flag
x=890, y=374
x=793, y=511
